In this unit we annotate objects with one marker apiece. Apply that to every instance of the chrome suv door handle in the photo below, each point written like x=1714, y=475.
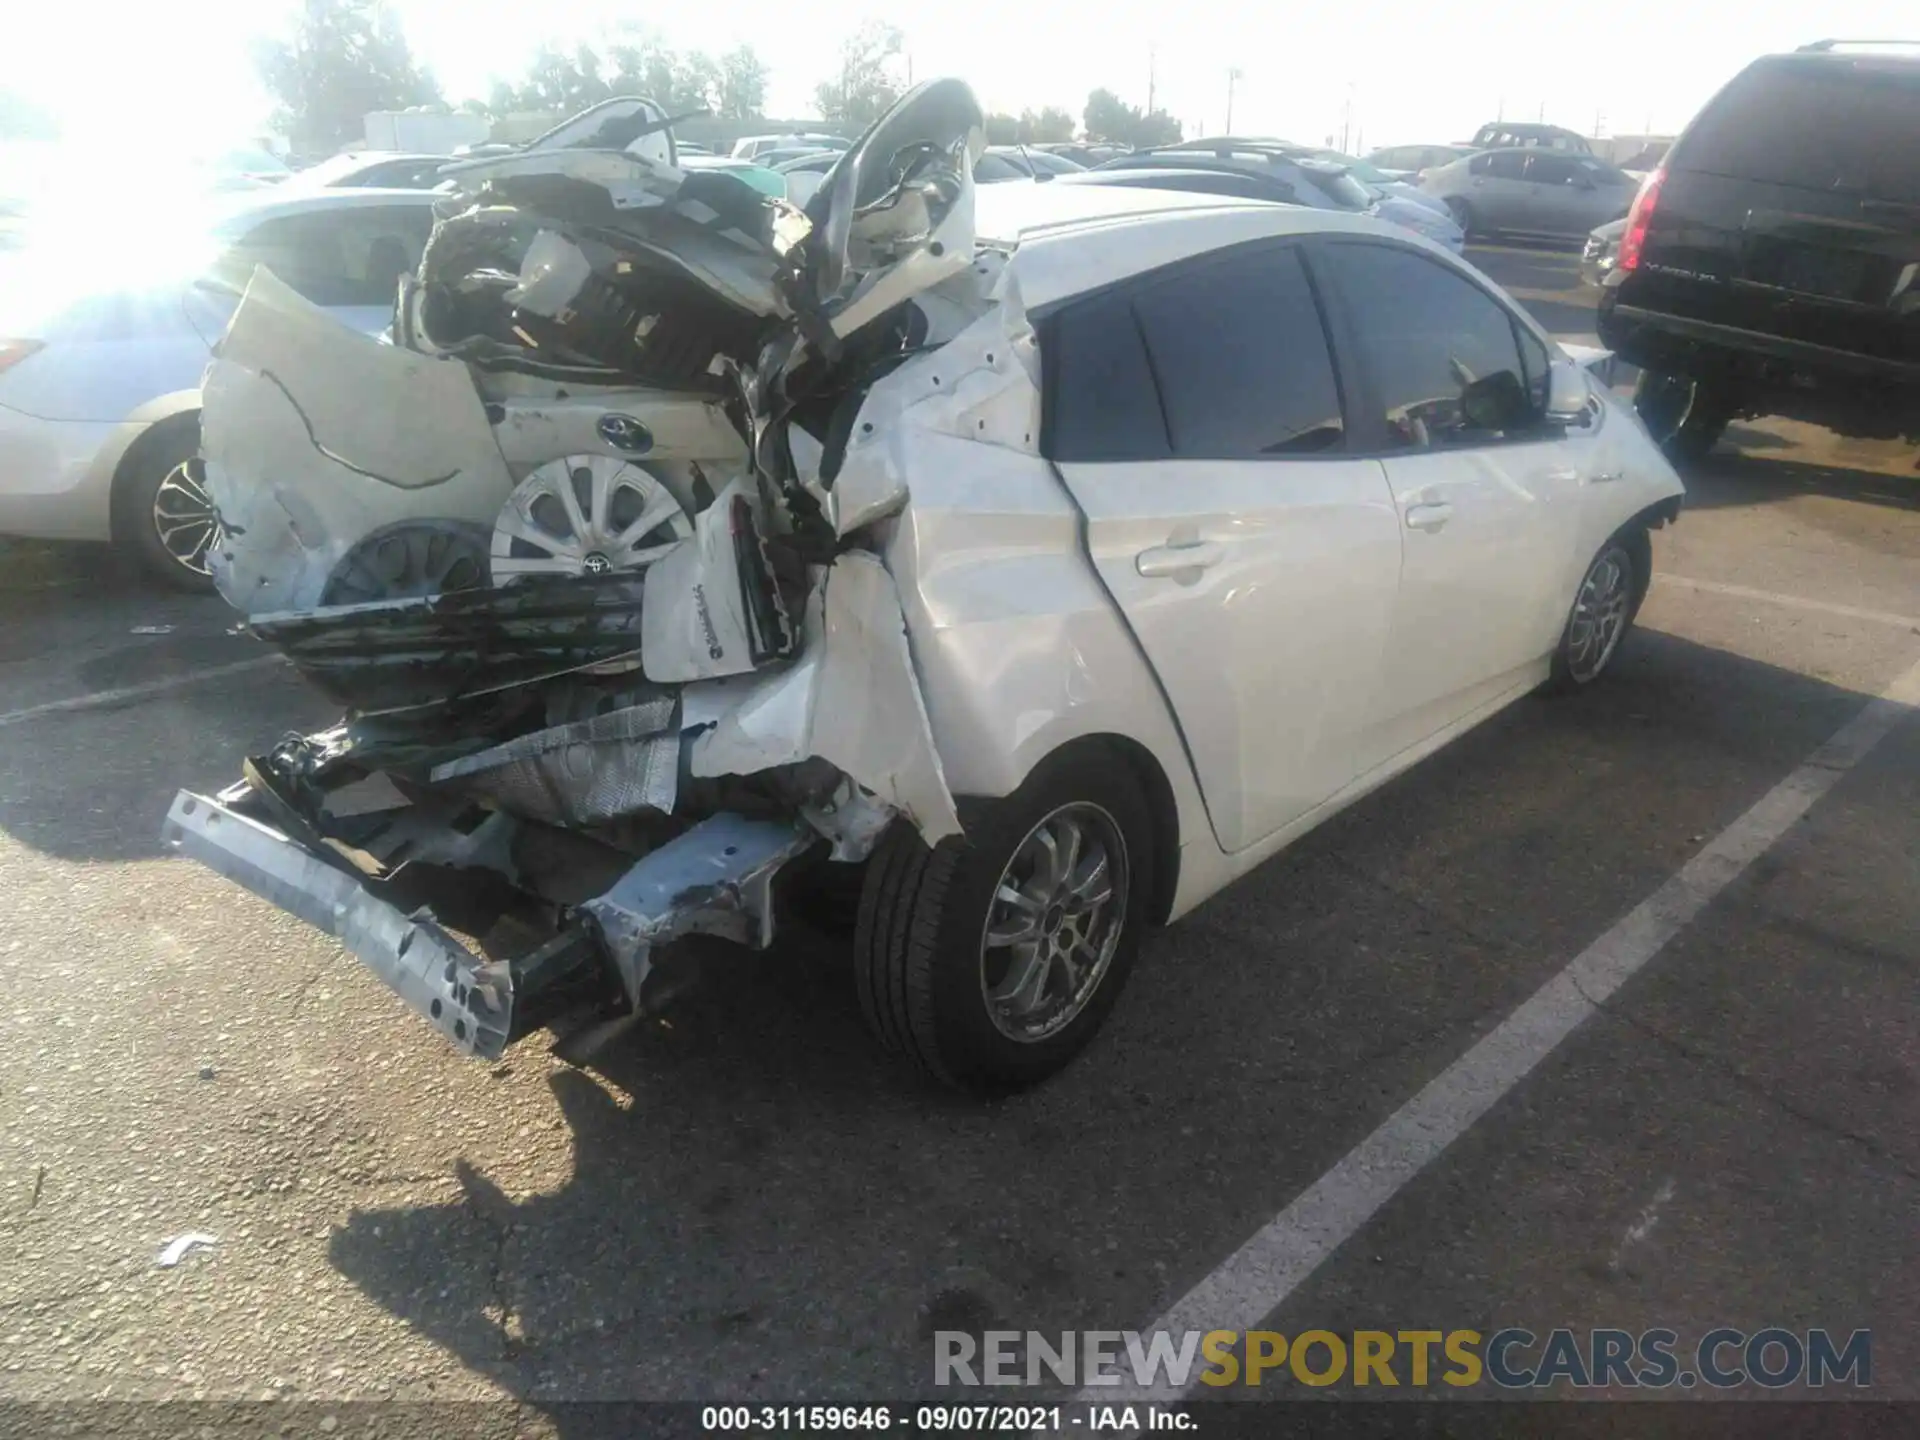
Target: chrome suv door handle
x=1183, y=561
x=1428, y=517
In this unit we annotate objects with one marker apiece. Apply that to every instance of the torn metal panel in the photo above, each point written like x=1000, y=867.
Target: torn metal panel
x=851, y=698
x=315, y=435
x=434, y=650
x=712, y=607
x=468, y=1000
x=715, y=879
x=584, y=773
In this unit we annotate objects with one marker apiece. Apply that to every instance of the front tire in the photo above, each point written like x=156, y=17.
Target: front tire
x=1603, y=611
x=1462, y=214
x=988, y=961
x=1684, y=417
x=162, y=517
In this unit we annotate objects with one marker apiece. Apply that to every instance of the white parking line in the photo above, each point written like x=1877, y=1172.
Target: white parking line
x=1798, y=602
x=99, y=699
x=1262, y=1273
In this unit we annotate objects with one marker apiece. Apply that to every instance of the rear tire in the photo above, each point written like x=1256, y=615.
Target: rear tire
x=1685, y=417
x=938, y=954
x=162, y=519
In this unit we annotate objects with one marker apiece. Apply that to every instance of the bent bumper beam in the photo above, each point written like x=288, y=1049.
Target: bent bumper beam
x=467, y=999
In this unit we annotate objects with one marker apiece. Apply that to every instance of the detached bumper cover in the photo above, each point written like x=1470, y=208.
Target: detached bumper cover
x=465, y=998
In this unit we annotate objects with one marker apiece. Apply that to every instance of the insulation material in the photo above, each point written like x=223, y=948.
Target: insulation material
x=584, y=773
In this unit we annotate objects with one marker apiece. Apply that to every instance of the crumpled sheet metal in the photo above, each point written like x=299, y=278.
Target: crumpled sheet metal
x=315, y=435
x=982, y=386
x=852, y=698
x=715, y=879
x=584, y=773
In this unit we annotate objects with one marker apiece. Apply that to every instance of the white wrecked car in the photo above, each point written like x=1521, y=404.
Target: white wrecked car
x=1057, y=560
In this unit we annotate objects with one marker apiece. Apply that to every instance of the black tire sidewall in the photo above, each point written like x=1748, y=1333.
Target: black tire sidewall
x=972, y=1049
x=133, y=506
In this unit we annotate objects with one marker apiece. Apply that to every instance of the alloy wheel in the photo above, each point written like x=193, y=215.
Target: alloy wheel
x=1599, y=614
x=184, y=518
x=1056, y=918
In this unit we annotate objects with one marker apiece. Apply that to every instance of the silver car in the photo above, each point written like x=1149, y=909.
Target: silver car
x=1530, y=192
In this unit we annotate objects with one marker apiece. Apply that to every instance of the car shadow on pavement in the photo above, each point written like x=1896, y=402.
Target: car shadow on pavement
x=762, y=1207
x=1725, y=478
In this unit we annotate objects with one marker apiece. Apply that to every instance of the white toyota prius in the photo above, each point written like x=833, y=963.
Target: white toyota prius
x=1039, y=560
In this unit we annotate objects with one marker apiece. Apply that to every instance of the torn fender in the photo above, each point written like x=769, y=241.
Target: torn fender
x=315, y=435
x=982, y=386
x=851, y=698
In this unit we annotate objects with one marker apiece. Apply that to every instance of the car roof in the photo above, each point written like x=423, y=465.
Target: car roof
x=1075, y=238
x=272, y=204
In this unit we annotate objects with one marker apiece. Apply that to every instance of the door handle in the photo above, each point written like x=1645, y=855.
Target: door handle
x=1428, y=517
x=1182, y=562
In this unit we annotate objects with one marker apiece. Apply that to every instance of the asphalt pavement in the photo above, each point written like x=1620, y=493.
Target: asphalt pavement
x=746, y=1202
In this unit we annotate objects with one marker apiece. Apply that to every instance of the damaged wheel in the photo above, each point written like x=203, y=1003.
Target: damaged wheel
x=990, y=960
x=163, y=518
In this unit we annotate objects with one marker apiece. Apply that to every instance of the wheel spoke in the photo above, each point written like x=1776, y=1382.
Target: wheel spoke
x=601, y=494
x=1092, y=889
x=1026, y=979
x=572, y=503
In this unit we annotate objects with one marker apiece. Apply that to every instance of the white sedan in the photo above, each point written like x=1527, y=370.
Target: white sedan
x=103, y=342
x=1061, y=553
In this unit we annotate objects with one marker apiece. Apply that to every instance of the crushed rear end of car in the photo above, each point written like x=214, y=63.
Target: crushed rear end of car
x=590, y=555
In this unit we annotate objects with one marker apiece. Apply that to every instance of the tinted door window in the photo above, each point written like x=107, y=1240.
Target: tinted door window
x=1241, y=358
x=1444, y=357
x=1101, y=400
x=1225, y=360
x=334, y=257
x=1506, y=164
x=1546, y=169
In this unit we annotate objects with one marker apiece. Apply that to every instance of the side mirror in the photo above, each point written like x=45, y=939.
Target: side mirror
x=1495, y=402
x=1567, y=393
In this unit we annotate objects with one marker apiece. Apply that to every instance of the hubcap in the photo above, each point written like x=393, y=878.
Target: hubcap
x=1599, y=614
x=585, y=515
x=184, y=517
x=1055, y=922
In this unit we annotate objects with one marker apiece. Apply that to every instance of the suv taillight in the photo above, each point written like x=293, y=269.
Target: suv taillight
x=1634, y=240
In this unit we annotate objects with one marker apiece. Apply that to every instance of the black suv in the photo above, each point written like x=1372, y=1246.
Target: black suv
x=1771, y=265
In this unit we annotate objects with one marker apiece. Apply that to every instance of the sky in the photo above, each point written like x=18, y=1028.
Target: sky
x=181, y=75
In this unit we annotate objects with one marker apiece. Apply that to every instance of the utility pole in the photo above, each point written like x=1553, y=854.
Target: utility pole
x=1598, y=116
x=1233, y=74
x=1150, y=59
x=1542, y=116
x=1346, y=121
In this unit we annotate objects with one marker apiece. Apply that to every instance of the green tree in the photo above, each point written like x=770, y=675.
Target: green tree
x=742, y=92
x=861, y=90
x=1051, y=126
x=1002, y=129
x=344, y=59
x=1108, y=117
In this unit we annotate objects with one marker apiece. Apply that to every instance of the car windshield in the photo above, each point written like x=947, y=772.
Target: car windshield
x=1340, y=187
x=1361, y=170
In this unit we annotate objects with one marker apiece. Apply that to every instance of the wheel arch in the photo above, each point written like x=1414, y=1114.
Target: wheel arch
x=144, y=446
x=1155, y=788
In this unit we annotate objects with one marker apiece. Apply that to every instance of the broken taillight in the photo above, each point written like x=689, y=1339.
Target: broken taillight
x=12, y=352
x=1633, y=240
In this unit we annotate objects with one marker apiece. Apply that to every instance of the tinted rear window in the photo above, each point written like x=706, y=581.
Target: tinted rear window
x=1824, y=125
